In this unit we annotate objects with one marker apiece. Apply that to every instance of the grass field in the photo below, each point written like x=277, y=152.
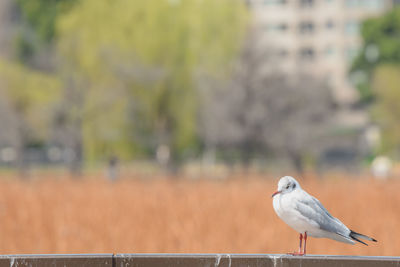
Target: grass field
x=203, y=216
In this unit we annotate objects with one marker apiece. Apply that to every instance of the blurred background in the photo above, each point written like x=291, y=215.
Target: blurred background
x=163, y=125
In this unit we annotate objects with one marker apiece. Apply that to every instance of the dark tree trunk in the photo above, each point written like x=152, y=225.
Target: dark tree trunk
x=75, y=164
x=297, y=162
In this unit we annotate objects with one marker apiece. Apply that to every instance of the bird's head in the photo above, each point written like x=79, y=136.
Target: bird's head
x=286, y=185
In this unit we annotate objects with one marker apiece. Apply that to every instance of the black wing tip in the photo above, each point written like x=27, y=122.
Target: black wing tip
x=358, y=240
x=353, y=233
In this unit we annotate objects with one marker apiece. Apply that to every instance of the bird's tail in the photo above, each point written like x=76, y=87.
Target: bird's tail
x=356, y=236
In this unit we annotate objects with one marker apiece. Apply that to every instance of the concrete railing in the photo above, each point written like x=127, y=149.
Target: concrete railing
x=192, y=260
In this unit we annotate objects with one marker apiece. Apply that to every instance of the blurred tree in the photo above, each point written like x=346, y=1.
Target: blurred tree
x=42, y=15
x=386, y=108
x=132, y=73
x=375, y=71
x=263, y=110
x=34, y=41
x=381, y=45
x=29, y=99
x=8, y=22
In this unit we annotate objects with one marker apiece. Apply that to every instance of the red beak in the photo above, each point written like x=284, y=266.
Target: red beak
x=274, y=194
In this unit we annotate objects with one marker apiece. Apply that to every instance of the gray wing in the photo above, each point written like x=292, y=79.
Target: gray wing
x=313, y=210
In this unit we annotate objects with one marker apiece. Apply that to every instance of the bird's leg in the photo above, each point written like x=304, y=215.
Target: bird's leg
x=299, y=253
x=305, y=243
x=301, y=239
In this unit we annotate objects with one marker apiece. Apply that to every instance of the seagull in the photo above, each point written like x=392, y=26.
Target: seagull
x=305, y=214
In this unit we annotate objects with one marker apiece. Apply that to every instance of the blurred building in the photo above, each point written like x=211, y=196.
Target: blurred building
x=8, y=14
x=321, y=37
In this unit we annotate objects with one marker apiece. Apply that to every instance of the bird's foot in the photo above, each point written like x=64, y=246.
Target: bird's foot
x=296, y=253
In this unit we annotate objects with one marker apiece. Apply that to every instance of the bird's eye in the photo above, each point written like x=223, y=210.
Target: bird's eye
x=294, y=186
x=287, y=187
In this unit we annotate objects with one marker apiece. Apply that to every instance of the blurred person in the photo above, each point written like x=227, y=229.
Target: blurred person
x=112, y=168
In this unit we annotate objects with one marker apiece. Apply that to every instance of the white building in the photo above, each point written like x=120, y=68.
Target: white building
x=321, y=37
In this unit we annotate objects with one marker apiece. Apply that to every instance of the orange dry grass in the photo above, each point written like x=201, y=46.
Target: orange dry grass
x=133, y=216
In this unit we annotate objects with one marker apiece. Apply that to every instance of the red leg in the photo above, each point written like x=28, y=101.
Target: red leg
x=301, y=239
x=299, y=253
x=305, y=243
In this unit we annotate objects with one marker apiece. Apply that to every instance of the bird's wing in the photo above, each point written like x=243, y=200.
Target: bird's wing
x=313, y=210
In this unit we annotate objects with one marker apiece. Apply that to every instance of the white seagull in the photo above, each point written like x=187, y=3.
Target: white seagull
x=305, y=214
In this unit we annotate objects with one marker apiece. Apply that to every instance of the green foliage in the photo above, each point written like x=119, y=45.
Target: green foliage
x=379, y=62
x=381, y=37
x=42, y=15
x=386, y=109
x=135, y=62
x=34, y=39
x=32, y=96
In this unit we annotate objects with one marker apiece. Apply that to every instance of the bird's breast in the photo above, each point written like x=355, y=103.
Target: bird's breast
x=285, y=209
x=281, y=205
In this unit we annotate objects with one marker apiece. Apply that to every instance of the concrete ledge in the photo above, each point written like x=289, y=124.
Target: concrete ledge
x=192, y=260
x=250, y=260
x=55, y=260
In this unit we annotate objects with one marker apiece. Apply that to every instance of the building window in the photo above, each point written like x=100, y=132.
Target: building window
x=351, y=3
x=329, y=24
x=369, y=4
x=306, y=27
x=275, y=2
x=306, y=3
x=283, y=53
x=278, y=27
x=329, y=51
x=351, y=53
x=374, y=4
x=352, y=27
x=306, y=53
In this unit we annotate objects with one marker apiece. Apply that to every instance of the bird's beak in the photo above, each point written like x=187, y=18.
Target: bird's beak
x=274, y=194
